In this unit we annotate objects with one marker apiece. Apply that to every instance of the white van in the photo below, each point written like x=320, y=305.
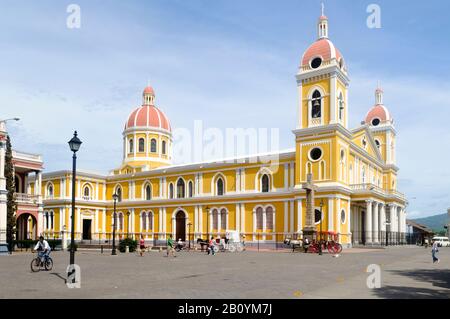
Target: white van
x=442, y=241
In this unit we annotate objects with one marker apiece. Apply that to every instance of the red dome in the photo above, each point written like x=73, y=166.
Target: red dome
x=323, y=48
x=148, y=116
x=149, y=90
x=378, y=112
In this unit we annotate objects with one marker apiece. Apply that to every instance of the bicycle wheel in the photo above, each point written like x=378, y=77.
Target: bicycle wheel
x=338, y=248
x=239, y=248
x=231, y=248
x=216, y=249
x=35, y=264
x=331, y=248
x=48, y=264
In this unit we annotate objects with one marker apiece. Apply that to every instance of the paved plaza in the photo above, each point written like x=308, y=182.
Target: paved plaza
x=406, y=272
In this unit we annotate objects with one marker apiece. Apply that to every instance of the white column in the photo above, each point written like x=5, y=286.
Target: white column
x=264, y=225
x=238, y=218
x=238, y=180
x=242, y=175
x=291, y=223
x=333, y=99
x=286, y=223
x=219, y=220
x=286, y=176
x=375, y=222
x=78, y=220
x=292, y=174
x=254, y=225
x=299, y=216
x=242, y=212
x=368, y=221
x=160, y=187
x=200, y=176
x=300, y=105
x=330, y=214
x=200, y=220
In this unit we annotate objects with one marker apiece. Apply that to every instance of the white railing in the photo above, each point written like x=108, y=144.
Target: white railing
x=22, y=198
x=26, y=156
x=374, y=188
x=315, y=121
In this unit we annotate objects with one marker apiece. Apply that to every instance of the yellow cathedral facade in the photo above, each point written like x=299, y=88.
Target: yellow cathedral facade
x=354, y=171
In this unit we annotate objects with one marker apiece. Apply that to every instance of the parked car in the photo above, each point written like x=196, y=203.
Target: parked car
x=442, y=241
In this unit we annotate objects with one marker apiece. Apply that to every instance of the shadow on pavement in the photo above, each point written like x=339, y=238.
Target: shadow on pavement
x=59, y=276
x=439, y=278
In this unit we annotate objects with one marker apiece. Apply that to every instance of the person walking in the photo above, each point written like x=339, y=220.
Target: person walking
x=142, y=246
x=211, y=247
x=434, y=250
x=170, y=249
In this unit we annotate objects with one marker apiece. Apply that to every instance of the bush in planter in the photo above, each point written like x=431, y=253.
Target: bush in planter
x=132, y=244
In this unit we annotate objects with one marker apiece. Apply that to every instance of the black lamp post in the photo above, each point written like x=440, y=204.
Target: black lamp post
x=207, y=222
x=189, y=235
x=74, y=144
x=320, y=240
x=113, y=251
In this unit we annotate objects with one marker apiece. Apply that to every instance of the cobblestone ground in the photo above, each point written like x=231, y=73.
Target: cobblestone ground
x=406, y=272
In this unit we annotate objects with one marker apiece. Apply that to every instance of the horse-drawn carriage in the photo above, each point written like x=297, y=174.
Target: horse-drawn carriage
x=326, y=241
x=231, y=242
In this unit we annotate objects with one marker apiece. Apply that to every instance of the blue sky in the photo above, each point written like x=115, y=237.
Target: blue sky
x=229, y=63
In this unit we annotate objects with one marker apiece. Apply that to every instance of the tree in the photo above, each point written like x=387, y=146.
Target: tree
x=11, y=202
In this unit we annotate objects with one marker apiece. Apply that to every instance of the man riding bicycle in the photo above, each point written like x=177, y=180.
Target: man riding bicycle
x=43, y=248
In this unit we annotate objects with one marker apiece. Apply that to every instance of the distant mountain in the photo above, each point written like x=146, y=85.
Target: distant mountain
x=435, y=222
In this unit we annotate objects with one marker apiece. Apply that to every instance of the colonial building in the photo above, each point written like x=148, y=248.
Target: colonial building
x=28, y=171
x=354, y=170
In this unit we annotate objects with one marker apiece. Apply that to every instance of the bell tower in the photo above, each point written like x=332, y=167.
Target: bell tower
x=322, y=83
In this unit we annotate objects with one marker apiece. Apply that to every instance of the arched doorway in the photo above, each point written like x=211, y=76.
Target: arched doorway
x=180, y=219
x=26, y=227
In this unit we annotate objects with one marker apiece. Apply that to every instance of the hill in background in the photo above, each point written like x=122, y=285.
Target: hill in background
x=435, y=222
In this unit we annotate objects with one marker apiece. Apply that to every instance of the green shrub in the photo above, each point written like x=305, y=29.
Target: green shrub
x=132, y=244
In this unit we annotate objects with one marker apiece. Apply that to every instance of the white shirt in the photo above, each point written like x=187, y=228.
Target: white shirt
x=44, y=245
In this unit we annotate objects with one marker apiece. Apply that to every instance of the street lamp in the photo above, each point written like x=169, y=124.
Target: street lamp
x=320, y=241
x=189, y=235
x=207, y=222
x=128, y=224
x=74, y=145
x=113, y=251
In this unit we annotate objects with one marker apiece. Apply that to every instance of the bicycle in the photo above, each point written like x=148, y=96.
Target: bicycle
x=37, y=264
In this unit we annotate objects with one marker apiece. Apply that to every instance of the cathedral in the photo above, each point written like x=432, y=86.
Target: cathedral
x=353, y=170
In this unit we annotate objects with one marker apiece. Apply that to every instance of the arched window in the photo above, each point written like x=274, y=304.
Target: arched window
x=220, y=188
x=363, y=175
x=259, y=218
x=269, y=218
x=17, y=184
x=163, y=147
x=144, y=220
x=322, y=170
x=86, y=193
x=223, y=218
x=317, y=216
x=50, y=190
x=51, y=220
x=120, y=221
x=316, y=105
x=171, y=191
x=141, y=145
x=153, y=145
x=180, y=188
x=119, y=193
x=130, y=146
x=341, y=106
x=265, y=186
x=377, y=142
x=46, y=220
x=148, y=192
x=215, y=219
x=190, y=189
x=150, y=220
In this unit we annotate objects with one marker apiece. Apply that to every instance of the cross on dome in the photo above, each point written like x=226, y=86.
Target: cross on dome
x=322, y=27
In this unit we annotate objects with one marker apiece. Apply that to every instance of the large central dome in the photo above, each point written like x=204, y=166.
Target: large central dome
x=148, y=115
